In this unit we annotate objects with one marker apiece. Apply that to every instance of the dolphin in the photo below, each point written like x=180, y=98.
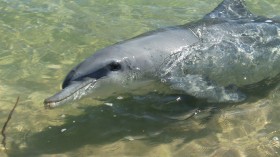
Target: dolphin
x=209, y=59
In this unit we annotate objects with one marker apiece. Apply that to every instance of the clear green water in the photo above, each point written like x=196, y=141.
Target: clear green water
x=42, y=40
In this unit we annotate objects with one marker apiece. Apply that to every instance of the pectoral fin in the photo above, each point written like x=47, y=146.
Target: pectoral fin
x=202, y=88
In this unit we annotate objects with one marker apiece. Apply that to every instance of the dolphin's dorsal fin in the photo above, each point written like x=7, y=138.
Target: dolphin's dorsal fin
x=230, y=9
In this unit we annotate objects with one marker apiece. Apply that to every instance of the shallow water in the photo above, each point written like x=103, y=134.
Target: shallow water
x=42, y=40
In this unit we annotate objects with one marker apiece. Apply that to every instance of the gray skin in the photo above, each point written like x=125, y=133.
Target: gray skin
x=208, y=59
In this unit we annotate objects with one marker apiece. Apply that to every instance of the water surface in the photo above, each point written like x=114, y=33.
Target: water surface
x=42, y=40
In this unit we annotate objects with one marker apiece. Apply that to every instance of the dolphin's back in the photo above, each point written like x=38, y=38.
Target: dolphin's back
x=237, y=51
x=247, y=52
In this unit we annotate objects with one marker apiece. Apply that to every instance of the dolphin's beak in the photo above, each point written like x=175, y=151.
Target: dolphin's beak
x=72, y=92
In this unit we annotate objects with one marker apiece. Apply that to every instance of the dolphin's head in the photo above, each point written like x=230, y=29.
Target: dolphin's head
x=110, y=70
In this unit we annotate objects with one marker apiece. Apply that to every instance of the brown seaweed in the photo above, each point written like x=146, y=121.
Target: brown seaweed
x=6, y=123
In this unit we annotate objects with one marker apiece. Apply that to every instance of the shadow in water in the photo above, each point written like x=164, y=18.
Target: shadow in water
x=144, y=118
x=152, y=118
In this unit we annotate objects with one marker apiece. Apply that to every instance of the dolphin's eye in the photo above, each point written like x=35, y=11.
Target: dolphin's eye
x=115, y=66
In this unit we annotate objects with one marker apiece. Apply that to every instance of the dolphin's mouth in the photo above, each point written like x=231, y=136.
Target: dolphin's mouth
x=72, y=92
